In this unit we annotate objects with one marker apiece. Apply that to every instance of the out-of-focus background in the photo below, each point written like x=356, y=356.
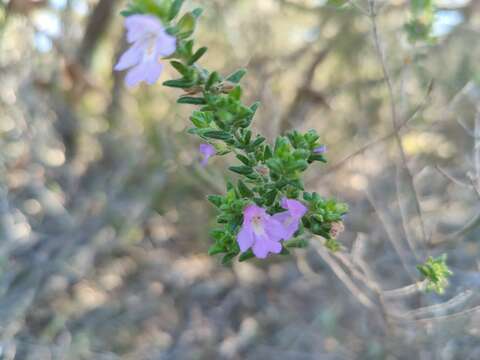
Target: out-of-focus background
x=104, y=222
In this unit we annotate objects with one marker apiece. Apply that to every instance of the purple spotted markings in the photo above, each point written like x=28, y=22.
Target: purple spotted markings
x=207, y=152
x=150, y=42
x=263, y=233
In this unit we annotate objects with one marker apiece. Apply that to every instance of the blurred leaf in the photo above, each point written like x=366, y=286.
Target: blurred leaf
x=246, y=255
x=191, y=100
x=236, y=76
x=186, y=26
x=175, y=9
x=336, y=3
x=198, y=54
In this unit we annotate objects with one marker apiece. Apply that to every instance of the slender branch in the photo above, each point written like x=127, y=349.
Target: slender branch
x=386, y=137
x=393, y=110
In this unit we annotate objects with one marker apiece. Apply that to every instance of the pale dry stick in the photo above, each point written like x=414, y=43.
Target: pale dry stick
x=342, y=275
x=358, y=7
x=453, y=316
x=344, y=258
x=474, y=185
x=393, y=110
x=386, y=137
x=357, y=257
x=305, y=268
x=443, y=307
x=452, y=178
x=357, y=253
x=405, y=291
x=471, y=225
x=391, y=233
x=476, y=149
x=370, y=284
x=464, y=126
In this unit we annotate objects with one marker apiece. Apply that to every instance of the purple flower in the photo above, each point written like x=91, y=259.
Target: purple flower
x=149, y=42
x=291, y=218
x=207, y=151
x=261, y=232
x=320, y=149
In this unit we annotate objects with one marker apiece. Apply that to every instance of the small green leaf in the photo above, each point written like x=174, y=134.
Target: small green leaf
x=254, y=107
x=244, y=159
x=246, y=255
x=236, y=93
x=198, y=54
x=242, y=170
x=175, y=9
x=228, y=258
x=216, y=200
x=216, y=249
x=258, y=141
x=244, y=190
x=295, y=243
x=212, y=79
x=181, y=68
x=186, y=26
x=197, y=12
x=270, y=197
x=236, y=76
x=217, y=134
x=336, y=3
x=180, y=83
x=191, y=100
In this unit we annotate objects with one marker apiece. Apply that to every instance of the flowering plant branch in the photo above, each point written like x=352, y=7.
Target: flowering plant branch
x=266, y=210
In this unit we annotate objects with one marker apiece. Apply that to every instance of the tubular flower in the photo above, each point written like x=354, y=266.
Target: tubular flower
x=261, y=232
x=322, y=149
x=150, y=42
x=207, y=151
x=291, y=218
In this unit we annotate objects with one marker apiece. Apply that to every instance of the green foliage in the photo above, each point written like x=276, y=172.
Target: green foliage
x=162, y=9
x=419, y=27
x=337, y=3
x=436, y=273
x=266, y=172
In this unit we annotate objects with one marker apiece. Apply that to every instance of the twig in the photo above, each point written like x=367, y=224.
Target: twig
x=342, y=275
x=435, y=309
x=388, y=82
x=386, y=137
x=452, y=178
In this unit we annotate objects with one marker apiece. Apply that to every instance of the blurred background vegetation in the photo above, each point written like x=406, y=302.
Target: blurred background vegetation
x=103, y=218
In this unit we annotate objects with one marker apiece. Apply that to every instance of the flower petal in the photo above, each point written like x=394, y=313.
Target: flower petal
x=130, y=58
x=252, y=210
x=207, y=151
x=260, y=248
x=245, y=238
x=275, y=229
x=136, y=75
x=291, y=228
x=154, y=70
x=274, y=247
x=294, y=207
x=166, y=44
x=139, y=26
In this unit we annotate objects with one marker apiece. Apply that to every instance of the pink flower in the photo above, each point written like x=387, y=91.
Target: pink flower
x=207, y=151
x=291, y=218
x=261, y=232
x=149, y=42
